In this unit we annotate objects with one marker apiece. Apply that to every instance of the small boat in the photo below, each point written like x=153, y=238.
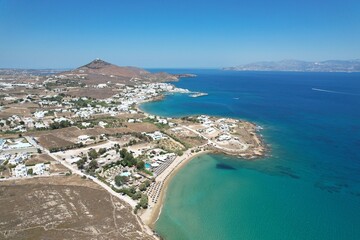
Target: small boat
x=198, y=94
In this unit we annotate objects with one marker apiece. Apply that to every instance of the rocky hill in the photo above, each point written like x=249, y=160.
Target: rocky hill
x=99, y=71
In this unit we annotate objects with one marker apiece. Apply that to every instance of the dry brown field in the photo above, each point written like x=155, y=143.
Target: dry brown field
x=49, y=141
x=39, y=158
x=20, y=111
x=142, y=127
x=64, y=207
x=97, y=93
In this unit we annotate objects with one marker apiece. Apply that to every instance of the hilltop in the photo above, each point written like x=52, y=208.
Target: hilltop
x=301, y=66
x=99, y=71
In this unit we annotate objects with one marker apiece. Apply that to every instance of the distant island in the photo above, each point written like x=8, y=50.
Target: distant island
x=301, y=66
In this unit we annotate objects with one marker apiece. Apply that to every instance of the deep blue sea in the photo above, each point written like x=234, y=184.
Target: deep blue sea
x=309, y=185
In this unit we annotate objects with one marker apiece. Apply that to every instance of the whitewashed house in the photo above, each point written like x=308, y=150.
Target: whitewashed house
x=20, y=171
x=83, y=138
x=39, y=169
x=224, y=137
x=157, y=135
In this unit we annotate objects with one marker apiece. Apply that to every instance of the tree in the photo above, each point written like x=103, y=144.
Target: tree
x=136, y=196
x=39, y=151
x=102, y=151
x=80, y=164
x=179, y=152
x=93, y=154
x=132, y=142
x=120, y=180
x=142, y=187
x=140, y=165
x=30, y=171
x=62, y=124
x=123, y=152
x=147, y=183
x=93, y=165
x=127, y=158
x=132, y=190
x=143, y=201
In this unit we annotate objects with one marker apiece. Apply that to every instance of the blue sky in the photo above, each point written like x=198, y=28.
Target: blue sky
x=176, y=33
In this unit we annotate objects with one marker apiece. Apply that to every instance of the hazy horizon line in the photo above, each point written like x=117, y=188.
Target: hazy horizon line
x=170, y=67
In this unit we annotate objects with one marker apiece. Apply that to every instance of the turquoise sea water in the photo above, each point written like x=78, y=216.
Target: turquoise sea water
x=309, y=185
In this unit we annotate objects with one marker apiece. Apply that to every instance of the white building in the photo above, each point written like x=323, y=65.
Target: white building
x=19, y=144
x=73, y=159
x=102, y=124
x=40, y=125
x=20, y=171
x=133, y=111
x=210, y=130
x=224, y=127
x=102, y=85
x=157, y=135
x=85, y=124
x=40, y=114
x=83, y=137
x=39, y=169
x=2, y=143
x=3, y=158
x=172, y=124
x=61, y=119
x=224, y=137
x=162, y=121
x=15, y=161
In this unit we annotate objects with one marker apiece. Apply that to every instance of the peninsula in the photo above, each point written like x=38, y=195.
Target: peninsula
x=84, y=129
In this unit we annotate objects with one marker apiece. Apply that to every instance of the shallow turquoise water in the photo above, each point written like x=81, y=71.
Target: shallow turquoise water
x=308, y=188
x=205, y=201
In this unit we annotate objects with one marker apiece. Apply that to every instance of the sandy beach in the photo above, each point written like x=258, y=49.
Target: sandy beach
x=157, y=190
x=150, y=216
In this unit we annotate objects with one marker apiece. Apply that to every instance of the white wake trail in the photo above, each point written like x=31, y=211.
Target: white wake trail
x=336, y=92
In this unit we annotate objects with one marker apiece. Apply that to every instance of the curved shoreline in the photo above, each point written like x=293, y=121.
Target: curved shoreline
x=151, y=215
